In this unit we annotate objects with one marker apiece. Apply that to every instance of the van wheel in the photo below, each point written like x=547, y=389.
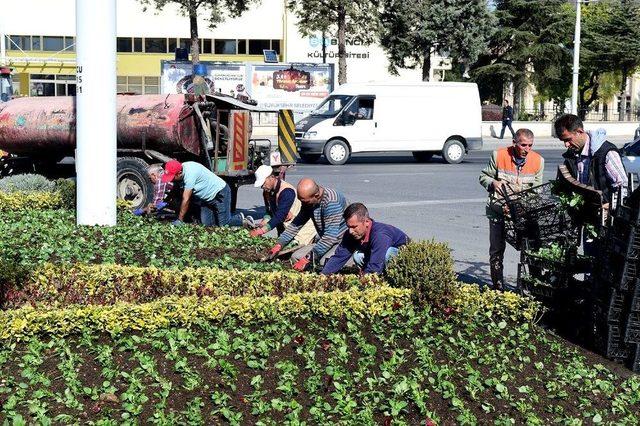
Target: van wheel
x=337, y=152
x=310, y=158
x=422, y=156
x=133, y=182
x=453, y=151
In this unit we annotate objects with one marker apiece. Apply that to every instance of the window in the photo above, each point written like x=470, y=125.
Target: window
x=36, y=43
x=138, y=85
x=225, y=47
x=275, y=45
x=185, y=43
x=52, y=85
x=19, y=43
x=137, y=44
x=69, y=44
x=172, y=45
x=206, y=45
x=155, y=45
x=242, y=47
x=53, y=44
x=124, y=44
x=257, y=46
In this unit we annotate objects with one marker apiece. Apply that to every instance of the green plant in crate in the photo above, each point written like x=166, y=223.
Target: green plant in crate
x=426, y=267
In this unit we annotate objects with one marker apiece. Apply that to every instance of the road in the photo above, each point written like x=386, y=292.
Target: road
x=432, y=200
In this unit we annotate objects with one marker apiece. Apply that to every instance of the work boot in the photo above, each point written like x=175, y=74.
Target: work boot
x=497, y=277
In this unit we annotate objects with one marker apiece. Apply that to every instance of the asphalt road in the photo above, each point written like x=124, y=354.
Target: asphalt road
x=431, y=200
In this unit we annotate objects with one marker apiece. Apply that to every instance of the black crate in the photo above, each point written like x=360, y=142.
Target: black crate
x=628, y=215
x=635, y=366
x=632, y=334
x=617, y=349
x=628, y=277
x=616, y=307
x=627, y=246
x=635, y=298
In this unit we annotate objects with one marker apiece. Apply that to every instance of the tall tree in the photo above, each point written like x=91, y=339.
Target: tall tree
x=216, y=10
x=610, y=44
x=357, y=18
x=412, y=30
x=528, y=47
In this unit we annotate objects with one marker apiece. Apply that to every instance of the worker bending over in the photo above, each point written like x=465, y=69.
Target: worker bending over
x=325, y=207
x=371, y=244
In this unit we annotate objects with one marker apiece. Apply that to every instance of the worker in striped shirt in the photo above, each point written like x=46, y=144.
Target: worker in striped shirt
x=325, y=207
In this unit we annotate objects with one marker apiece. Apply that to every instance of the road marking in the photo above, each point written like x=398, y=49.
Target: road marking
x=427, y=203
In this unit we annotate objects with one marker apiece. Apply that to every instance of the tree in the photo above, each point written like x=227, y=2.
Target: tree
x=217, y=11
x=610, y=44
x=528, y=47
x=412, y=30
x=358, y=18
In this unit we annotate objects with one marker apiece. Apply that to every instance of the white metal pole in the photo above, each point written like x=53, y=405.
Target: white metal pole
x=3, y=49
x=576, y=61
x=96, y=111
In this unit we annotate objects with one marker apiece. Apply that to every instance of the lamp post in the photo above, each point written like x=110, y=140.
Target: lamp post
x=576, y=61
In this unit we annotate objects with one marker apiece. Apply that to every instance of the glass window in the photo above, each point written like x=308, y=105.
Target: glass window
x=36, y=43
x=275, y=45
x=257, y=46
x=122, y=88
x=151, y=90
x=332, y=105
x=154, y=81
x=172, y=45
x=43, y=77
x=135, y=80
x=185, y=43
x=124, y=44
x=155, y=45
x=69, y=44
x=53, y=44
x=225, y=47
x=121, y=79
x=242, y=47
x=206, y=45
x=137, y=44
x=19, y=43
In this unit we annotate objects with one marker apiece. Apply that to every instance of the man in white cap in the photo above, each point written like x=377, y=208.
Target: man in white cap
x=281, y=205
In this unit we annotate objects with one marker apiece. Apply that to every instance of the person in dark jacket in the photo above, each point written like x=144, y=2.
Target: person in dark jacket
x=371, y=244
x=507, y=119
x=590, y=158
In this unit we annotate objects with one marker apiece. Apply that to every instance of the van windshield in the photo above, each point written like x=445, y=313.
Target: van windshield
x=332, y=106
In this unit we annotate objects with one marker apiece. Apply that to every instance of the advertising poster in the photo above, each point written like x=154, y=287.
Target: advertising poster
x=221, y=78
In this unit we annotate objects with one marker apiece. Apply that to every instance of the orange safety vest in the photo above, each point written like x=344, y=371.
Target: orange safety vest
x=522, y=178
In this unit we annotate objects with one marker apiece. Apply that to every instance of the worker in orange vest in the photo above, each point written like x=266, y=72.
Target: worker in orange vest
x=514, y=168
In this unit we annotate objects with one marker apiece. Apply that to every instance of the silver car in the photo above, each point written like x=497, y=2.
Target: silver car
x=631, y=158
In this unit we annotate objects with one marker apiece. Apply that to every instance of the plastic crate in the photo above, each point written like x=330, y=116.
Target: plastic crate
x=635, y=366
x=628, y=215
x=635, y=298
x=616, y=307
x=628, y=277
x=627, y=246
x=617, y=349
x=632, y=334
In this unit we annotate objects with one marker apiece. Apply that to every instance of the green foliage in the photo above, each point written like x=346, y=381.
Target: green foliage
x=412, y=30
x=426, y=267
x=26, y=183
x=67, y=190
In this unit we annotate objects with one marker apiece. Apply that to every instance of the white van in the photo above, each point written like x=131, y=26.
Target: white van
x=425, y=118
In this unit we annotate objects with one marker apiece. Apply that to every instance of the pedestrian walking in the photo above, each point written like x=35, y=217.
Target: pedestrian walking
x=507, y=119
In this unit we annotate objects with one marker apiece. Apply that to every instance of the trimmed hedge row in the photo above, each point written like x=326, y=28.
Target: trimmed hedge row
x=55, y=285
x=21, y=323
x=21, y=201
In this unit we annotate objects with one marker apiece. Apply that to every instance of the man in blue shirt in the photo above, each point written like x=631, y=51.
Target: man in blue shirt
x=371, y=244
x=211, y=193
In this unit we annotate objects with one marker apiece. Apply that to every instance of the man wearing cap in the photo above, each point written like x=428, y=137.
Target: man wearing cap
x=325, y=208
x=281, y=205
x=210, y=192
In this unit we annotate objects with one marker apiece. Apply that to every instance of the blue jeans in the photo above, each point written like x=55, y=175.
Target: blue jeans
x=358, y=257
x=218, y=211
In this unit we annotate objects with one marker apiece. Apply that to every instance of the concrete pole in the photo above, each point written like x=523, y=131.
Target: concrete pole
x=96, y=112
x=576, y=62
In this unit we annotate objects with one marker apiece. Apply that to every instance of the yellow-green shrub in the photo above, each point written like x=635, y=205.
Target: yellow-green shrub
x=184, y=311
x=471, y=300
x=109, y=283
x=426, y=267
x=18, y=201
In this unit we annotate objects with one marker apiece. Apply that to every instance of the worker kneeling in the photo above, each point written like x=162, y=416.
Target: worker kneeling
x=210, y=192
x=371, y=244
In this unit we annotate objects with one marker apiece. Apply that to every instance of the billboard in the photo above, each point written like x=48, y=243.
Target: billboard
x=299, y=87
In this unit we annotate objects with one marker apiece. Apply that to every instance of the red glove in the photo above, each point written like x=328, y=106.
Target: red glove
x=257, y=232
x=275, y=250
x=301, y=264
